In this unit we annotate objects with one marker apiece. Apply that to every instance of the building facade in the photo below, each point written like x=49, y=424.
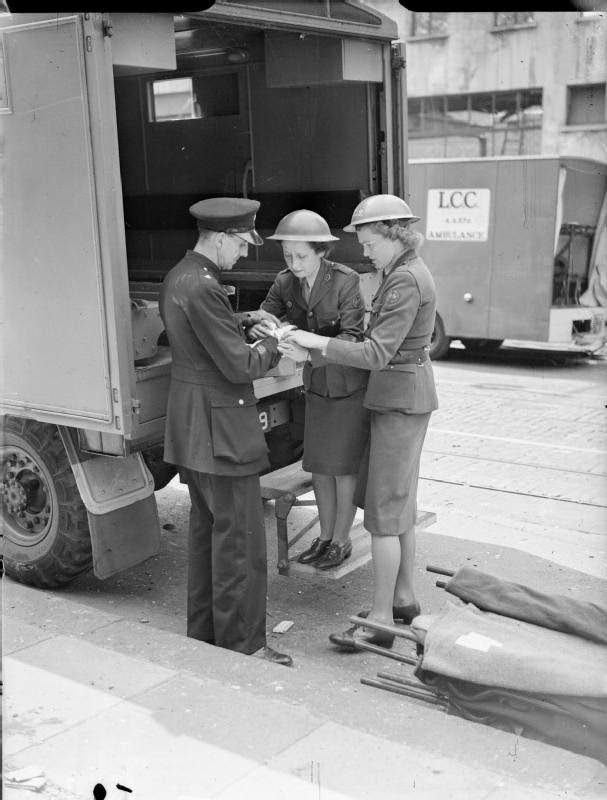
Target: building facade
x=504, y=83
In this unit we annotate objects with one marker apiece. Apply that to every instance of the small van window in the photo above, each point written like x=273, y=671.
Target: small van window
x=194, y=97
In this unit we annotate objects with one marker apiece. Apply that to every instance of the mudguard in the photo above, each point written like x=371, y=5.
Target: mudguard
x=118, y=493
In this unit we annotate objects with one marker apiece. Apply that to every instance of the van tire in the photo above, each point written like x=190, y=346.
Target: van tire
x=39, y=490
x=440, y=342
x=482, y=345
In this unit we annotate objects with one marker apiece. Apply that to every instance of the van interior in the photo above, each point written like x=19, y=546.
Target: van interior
x=237, y=119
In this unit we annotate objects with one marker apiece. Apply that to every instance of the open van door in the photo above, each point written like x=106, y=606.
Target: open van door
x=64, y=309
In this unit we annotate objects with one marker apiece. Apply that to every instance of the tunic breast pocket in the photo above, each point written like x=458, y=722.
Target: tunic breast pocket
x=236, y=432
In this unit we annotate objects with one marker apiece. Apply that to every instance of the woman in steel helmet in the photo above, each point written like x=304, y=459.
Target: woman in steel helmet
x=400, y=397
x=320, y=296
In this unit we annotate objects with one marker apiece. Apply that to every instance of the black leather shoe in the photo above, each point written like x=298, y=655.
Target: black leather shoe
x=406, y=614
x=380, y=639
x=284, y=659
x=317, y=549
x=346, y=640
x=335, y=555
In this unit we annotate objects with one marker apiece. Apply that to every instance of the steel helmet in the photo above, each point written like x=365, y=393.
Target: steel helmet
x=379, y=207
x=303, y=226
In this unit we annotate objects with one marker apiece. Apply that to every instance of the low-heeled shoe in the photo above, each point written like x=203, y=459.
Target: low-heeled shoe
x=284, y=659
x=406, y=614
x=346, y=640
x=317, y=549
x=335, y=555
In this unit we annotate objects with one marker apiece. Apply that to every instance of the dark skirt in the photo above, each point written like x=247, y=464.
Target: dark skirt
x=336, y=433
x=387, y=485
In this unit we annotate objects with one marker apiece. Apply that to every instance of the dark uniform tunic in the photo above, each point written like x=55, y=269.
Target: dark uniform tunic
x=400, y=394
x=336, y=426
x=213, y=434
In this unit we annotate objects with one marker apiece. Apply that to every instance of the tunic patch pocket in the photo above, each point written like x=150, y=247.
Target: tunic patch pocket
x=405, y=387
x=236, y=432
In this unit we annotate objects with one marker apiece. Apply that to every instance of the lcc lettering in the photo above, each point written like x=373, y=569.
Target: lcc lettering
x=457, y=199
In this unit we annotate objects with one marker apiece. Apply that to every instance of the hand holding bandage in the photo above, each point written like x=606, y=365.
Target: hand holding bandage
x=276, y=331
x=263, y=324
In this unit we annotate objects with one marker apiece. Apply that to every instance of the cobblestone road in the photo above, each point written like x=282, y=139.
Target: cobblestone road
x=518, y=456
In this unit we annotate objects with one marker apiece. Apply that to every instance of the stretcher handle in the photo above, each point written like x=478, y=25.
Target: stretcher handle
x=441, y=584
x=381, y=651
x=420, y=687
x=434, y=701
x=405, y=633
x=440, y=570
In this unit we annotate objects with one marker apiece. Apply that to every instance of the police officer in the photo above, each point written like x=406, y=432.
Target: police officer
x=213, y=432
x=400, y=396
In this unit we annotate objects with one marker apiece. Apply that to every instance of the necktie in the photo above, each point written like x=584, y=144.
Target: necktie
x=305, y=290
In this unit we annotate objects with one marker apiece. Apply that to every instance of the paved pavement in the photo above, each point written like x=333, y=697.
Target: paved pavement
x=102, y=685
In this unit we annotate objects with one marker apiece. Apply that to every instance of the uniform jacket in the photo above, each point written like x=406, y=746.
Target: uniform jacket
x=396, y=340
x=335, y=308
x=212, y=422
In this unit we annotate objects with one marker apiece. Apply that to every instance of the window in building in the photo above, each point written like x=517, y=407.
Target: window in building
x=586, y=104
x=429, y=23
x=196, y=97
x=473, y=125
x=509, y=19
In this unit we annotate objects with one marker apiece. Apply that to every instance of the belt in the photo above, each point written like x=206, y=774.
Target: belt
x=411, y=356
x=200, y=377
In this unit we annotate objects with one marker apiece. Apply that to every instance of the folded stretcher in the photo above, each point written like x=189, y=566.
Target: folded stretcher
x=508, y=656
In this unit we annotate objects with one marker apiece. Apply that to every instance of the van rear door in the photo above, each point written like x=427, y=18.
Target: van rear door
x=65, y=303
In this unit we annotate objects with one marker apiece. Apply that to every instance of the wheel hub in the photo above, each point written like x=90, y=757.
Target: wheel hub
x=14, y=495
x=25, y=495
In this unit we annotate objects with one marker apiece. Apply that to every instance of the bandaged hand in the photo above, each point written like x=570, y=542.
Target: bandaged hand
x=264, y=316
x=279, y=332
x=261, y=329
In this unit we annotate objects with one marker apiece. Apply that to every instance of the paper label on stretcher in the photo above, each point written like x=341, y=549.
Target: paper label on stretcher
x=476, y=641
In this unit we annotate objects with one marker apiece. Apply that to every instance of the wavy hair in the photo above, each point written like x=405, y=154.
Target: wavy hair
x=397, y=229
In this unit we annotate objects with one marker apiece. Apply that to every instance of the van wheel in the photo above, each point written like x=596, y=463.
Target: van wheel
x=46, y=534
x=482, y=345
x=440, y=342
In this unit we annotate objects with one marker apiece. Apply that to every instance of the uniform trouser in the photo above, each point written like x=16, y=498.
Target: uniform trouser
x=227, y=567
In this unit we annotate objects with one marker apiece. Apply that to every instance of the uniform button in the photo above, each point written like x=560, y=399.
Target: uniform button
x=311, y=330
x=310, y=313
x=241, y=402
